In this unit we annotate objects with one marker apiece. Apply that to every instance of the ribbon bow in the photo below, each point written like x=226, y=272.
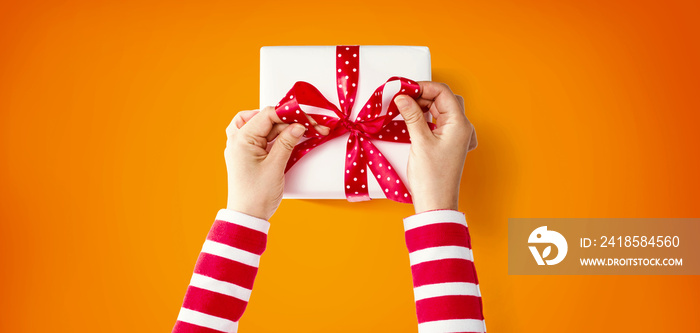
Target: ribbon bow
x=374, y=122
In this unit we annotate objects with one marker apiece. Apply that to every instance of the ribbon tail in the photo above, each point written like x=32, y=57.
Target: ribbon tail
x=356, y=188
x=385, y=174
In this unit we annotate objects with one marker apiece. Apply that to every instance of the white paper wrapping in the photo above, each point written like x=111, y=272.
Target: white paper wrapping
x=319, y=174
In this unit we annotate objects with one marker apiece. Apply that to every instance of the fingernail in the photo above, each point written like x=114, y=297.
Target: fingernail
x=298, y=130
x=401, y=102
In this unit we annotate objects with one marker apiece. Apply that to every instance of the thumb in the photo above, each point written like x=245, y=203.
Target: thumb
x=284, y=144
x=413, y=116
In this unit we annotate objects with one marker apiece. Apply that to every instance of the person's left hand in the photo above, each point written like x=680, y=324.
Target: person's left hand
x=258, y=147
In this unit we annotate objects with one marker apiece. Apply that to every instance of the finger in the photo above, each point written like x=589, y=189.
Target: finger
x=427, y=105
x=260, y=125
x=413, y=116
x=444, y=101
x=473, y=142
x=239, y=120
x=323, y=130
x=283, y=146
x=276, y=130
x=460, y=100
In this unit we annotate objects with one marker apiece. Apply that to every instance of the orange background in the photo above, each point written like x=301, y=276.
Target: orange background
x=112, y=119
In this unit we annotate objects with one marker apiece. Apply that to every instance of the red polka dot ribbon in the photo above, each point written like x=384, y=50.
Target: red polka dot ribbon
x=374, y=122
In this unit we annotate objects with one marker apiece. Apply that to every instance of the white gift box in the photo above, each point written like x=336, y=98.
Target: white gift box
x=320, y=173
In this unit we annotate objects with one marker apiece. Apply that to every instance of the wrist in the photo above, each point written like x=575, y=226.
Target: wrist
x=423, y=204
x=249, y=209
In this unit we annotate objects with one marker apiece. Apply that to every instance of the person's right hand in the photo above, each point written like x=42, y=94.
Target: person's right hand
x=437, y=157
x=258, y=147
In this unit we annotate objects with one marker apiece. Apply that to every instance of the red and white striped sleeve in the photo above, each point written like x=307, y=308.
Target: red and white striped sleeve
x=445, y=286
x=223, y=276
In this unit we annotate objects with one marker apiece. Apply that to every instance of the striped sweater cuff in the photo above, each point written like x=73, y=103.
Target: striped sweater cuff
x=434, y=217
x=446, y=289
x=245, y=220
x=223, y=277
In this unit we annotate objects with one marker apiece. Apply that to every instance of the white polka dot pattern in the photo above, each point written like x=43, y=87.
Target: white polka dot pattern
x=373, y=122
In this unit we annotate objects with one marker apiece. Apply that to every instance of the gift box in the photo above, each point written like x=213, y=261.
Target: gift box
x=350, y=89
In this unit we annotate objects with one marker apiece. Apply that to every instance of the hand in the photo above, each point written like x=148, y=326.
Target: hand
x=437, y=157
x=258, y=147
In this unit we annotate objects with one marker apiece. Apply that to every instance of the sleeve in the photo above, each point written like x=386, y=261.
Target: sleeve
x=223, y=275
x=445, y=286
